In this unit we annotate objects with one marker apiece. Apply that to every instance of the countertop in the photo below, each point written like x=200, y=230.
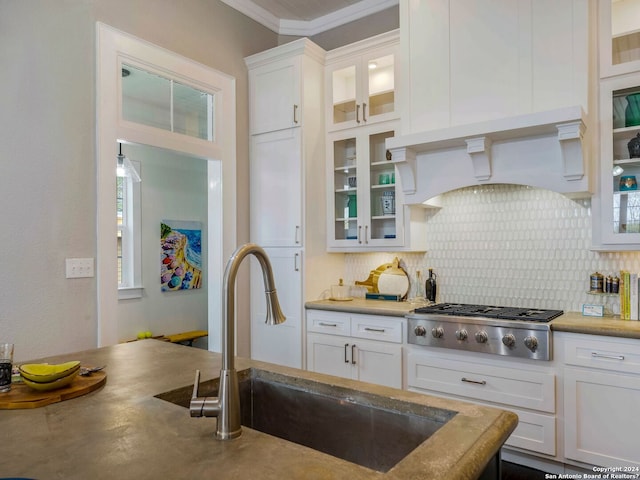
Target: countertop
x=123, y=432
x=573, y=322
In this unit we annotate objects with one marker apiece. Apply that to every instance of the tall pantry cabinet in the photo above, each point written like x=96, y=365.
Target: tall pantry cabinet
x=287, y=158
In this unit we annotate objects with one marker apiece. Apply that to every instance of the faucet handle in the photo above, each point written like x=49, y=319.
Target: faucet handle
x=196, y=405
x=196, y=384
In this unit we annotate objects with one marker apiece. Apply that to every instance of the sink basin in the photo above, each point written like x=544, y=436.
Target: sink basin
x=370, y=430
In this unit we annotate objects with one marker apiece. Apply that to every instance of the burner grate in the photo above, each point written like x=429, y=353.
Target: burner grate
x=491, y=311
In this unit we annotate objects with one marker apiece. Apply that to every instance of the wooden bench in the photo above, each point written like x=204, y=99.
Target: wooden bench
x=183, y=337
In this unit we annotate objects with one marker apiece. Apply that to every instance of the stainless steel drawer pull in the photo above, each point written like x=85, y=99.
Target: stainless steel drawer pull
x=602, y=355
x=481, y=382
x=324, y=324
x=377, y=330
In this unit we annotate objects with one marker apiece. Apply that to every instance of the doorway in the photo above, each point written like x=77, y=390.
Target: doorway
x=174, y=144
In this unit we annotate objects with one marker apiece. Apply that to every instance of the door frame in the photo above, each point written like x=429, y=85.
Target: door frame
x=113, y=48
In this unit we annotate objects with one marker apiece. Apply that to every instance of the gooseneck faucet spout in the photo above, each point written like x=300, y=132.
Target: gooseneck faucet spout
x=226, y=406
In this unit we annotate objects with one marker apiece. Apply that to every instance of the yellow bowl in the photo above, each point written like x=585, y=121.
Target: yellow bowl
x=43, y=372
x=58, y=383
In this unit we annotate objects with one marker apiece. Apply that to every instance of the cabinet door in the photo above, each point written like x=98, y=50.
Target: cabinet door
x=276, y=189
x=363, y=211
x=619, y=36
x=619, y=208
x=360, y=83
x=274, y=96
x=378, y=88
x=329, y=354
x=281, y=344
x=377, y=362
x=601, y=424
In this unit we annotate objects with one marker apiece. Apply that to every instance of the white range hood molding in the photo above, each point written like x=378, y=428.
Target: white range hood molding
x=543, y=149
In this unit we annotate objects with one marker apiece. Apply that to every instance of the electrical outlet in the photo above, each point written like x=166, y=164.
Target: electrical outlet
x=79, y=267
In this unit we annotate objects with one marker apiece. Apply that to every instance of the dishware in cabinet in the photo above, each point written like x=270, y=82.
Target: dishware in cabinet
x=619, y=164
x=360, y=82
x=363, y=209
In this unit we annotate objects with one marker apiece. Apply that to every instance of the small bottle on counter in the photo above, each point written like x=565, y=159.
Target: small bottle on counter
x=430, y=286
x=419, y=293
x=596, y=283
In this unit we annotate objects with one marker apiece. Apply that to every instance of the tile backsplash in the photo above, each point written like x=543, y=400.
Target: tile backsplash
x=508, y=245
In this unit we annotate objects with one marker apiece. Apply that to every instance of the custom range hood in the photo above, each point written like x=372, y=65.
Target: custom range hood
x=544, y=149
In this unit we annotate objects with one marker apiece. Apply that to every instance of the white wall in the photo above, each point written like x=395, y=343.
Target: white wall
x=174, y=187
x=47, y=160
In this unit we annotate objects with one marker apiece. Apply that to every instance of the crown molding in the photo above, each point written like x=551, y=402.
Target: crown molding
x=309, y=28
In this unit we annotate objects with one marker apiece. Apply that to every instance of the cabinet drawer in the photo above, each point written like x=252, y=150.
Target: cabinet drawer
x=535, y=431
x=619, y=356
x=375, y=327
x=488, y=382
x=332, y=323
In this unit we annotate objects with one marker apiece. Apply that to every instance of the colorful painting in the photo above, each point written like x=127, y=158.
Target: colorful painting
x=181, y=255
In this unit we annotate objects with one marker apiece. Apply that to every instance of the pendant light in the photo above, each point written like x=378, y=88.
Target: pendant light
x=125, y=168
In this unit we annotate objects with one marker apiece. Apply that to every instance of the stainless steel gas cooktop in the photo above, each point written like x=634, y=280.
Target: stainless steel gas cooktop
x=490, y=311
x=509, y=331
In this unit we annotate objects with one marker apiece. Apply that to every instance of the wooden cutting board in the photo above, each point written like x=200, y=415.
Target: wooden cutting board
x=21, y=396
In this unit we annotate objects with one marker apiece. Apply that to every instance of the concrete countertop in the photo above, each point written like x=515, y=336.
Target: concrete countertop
x=573, y=322
x=122, y=431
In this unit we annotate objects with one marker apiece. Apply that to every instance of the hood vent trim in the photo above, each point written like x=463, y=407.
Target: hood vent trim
x=543, y=149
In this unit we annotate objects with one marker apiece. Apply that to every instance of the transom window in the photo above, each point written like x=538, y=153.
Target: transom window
x=153, y=100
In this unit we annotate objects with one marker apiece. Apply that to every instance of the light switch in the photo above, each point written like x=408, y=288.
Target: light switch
x=79, y=267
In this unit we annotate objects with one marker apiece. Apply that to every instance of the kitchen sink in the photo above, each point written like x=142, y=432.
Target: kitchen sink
x=367, y=429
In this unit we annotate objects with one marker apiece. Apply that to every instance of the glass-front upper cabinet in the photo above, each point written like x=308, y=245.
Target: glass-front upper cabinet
x=362, y=182
x=360, y=82
x=619, y=36
x=620, y=160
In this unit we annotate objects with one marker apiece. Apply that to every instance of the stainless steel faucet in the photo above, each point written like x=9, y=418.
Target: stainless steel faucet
x=226, y=406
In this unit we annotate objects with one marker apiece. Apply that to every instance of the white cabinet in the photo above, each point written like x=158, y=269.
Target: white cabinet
x=617, y=214
x=601, y=398
x=468, y=62
x=619, y=36
x=616, y=208
x=276, y=84
x=276, y=188
x=285, y=337
x=360, y=347
x=364, y=195
x=360, y=82
x=522, y=387
x=286, y=159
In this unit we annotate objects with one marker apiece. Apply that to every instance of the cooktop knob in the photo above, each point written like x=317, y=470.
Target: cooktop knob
x=420, y=331
x=461, y=334
x=482, y=337
x=509, y=340
x=437, y=332
x=531, y=343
